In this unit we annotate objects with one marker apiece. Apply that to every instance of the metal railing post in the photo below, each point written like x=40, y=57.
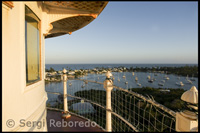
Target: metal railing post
x=108, y=85
x=66, y=111
x=187, y=120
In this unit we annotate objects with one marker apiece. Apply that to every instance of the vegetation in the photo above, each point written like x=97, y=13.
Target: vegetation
x=50, y=70
x=171, y=100
x=183, y=71
x=133, y=109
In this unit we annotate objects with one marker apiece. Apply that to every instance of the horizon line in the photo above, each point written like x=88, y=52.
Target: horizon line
x=119, y=63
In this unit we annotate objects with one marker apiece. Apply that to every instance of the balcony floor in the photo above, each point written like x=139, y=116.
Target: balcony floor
x=57, y=116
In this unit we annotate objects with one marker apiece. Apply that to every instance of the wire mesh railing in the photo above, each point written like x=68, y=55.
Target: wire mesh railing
x=130, y=111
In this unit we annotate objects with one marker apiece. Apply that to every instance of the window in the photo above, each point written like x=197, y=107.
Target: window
x=32, y=46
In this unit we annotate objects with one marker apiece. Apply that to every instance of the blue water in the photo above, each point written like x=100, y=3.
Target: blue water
x=91, y=66
x=142, y=78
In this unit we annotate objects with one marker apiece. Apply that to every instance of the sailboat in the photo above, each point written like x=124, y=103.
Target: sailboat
x=70, y=84
x=138, y=84
x=124, y=76
x=83, y=85
x=133, y=73
x=166, y=77
x=188, y=81
x=136, y=78
x=161, y=83
x=180, y=83
x=118, y=78
x=187, y=77
x=192, y=79
x=86, y=80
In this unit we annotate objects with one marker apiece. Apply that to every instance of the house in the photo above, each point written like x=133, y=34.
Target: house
x=25, y=26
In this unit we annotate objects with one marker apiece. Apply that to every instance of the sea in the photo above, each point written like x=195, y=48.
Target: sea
x=142, y=78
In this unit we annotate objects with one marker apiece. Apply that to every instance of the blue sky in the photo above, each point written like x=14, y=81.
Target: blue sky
x=132, y=32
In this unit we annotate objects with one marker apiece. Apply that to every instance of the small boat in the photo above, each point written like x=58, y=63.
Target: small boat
x=70, y=84
x=126, y=82
x=124, y=76
x=118, y=80
x=83, y=85
x=192, y=79
x=180, y=83
x=133, y=73
x=188, y=81
x=148, y=77
x=161, y=84
x=187, y=78
x=165, y=90
x=136, y=78
x=167, y=78
x=163, y=81
x=150, y=81
x=153, y=79
x=155, y=74
x=138, y=84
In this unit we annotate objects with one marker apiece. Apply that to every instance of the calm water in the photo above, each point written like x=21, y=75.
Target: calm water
x=91, y=66
x=142, y=78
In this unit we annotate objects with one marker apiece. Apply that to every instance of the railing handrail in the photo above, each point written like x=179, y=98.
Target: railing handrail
x=152, y=102
x=171, y=112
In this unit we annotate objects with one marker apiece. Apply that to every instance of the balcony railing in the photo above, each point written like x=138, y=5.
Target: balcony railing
x=129, y=111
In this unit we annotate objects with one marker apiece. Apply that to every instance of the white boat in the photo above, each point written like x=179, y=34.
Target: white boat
x=138, y=84
x=165, y=90
x=192, y=79
x=188, y=81
x=167, y=78
x=85, y=81
x=70, y=84
x=133, y=73
x=187, y=77
x=118, y=80
x=150, y=80
x=179, y=83
x=83, y=85
x=113, y=78
x=126, y=82
x=163, y=81
x=161, y=84
x=148, y=77
x=136, y=78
